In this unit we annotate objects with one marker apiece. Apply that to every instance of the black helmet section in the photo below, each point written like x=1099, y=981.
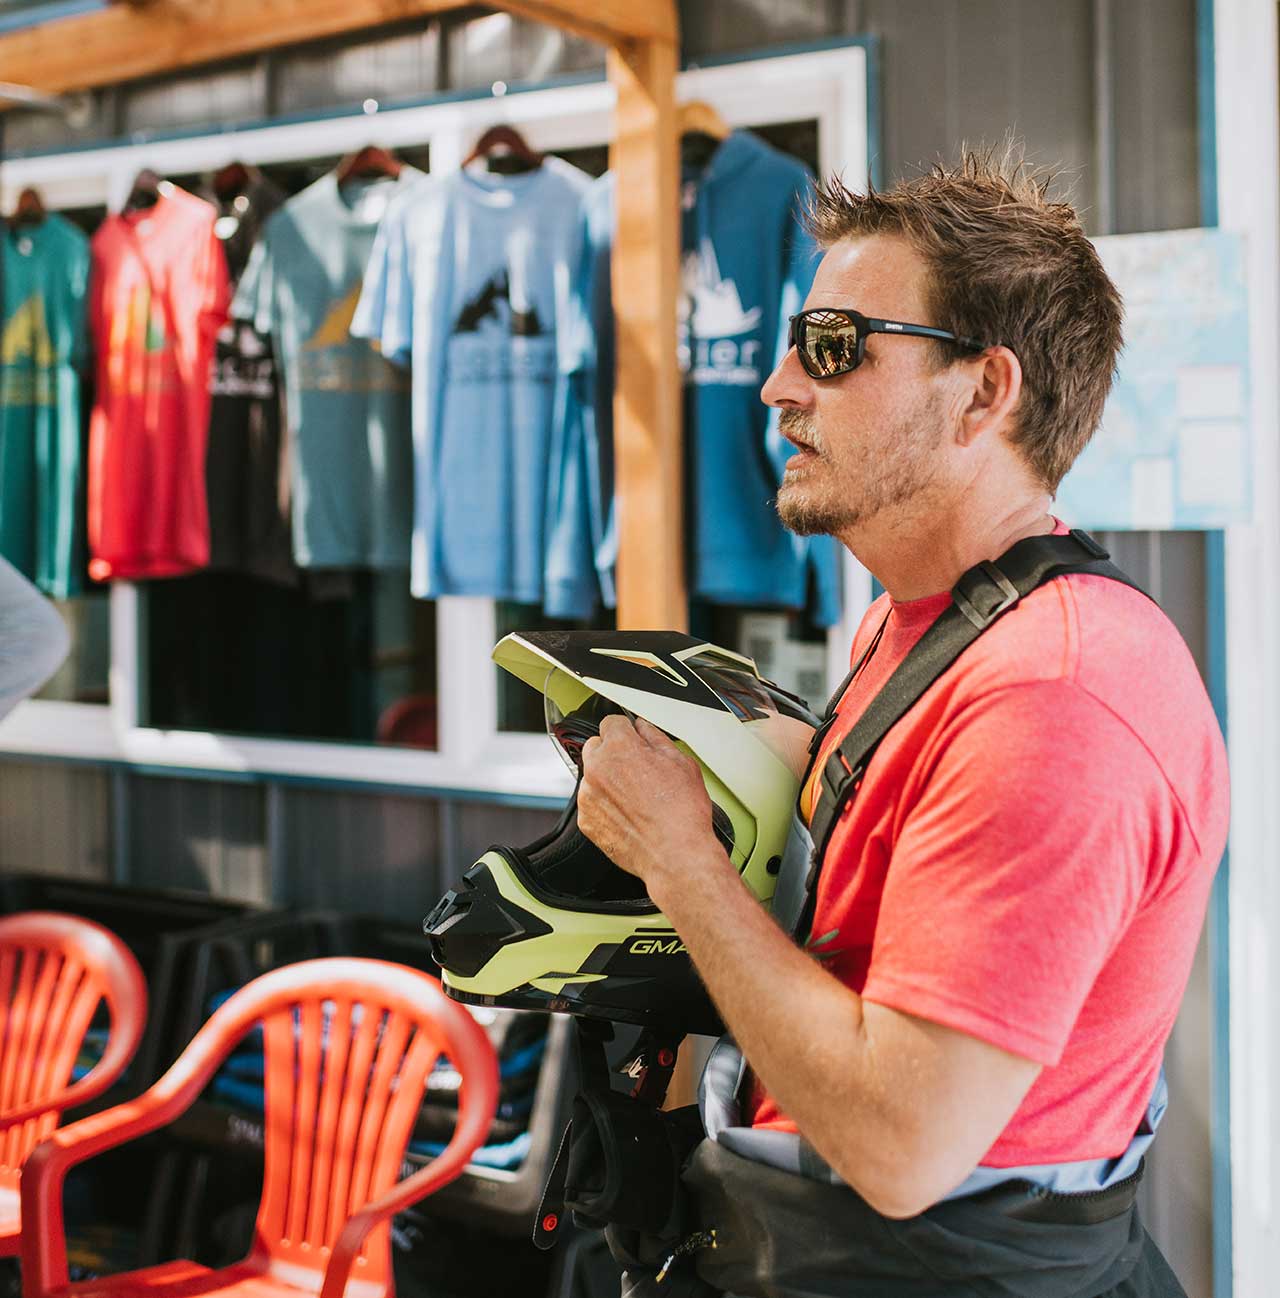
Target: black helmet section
x=646, y=978
x=566, y=869
x=470, y=923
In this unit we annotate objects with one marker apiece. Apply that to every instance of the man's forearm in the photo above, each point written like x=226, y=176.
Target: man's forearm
x=803, y=1033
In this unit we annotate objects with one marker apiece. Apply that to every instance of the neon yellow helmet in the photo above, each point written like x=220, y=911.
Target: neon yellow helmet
x=555, y=925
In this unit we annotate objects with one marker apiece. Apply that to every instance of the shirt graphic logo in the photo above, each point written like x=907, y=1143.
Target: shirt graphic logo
x=332, y=361
x=139, y=354
x=26, y=336
x=28, y=357
x=712, y=321
x=521, y=320
x=335, y=329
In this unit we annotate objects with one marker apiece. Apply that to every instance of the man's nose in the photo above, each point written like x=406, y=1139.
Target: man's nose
x=788, y=387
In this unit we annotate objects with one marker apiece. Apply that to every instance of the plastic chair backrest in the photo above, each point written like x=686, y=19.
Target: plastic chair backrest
x=54, y=971
x=347, y=1045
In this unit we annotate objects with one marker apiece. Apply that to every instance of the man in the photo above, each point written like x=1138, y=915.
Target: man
x=1006, y=912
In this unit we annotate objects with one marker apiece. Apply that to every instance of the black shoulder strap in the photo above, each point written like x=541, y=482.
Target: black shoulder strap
x=981, y=596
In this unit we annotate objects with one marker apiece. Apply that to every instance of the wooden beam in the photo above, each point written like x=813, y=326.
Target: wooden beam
x=648, y=444
x=609, y=22
x=127, y=41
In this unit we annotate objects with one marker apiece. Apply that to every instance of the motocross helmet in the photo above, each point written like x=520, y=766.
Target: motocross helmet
x=555, y=924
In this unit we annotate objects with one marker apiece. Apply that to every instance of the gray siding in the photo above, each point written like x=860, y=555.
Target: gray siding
x=55, y=819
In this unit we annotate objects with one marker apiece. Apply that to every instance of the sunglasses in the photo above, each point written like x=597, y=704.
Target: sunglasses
x=832, y=340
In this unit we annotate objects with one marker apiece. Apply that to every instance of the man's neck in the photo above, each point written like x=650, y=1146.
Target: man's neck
x=915, y=558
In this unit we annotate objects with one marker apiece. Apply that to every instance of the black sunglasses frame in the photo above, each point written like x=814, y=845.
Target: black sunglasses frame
x=864, y=327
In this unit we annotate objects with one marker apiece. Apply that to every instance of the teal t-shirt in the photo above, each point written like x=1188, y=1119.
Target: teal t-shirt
x=42, y=345
x=351, y=446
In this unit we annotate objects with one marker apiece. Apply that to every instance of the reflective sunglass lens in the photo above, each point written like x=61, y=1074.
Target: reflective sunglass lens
x=830, y=345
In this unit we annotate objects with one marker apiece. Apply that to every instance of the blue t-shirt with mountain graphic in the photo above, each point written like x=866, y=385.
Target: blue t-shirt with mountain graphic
x=466, y=285
x=351, y=448
x=747, y=265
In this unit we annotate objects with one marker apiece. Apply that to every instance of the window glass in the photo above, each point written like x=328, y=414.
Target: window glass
x=341, y=656
x=83, y=677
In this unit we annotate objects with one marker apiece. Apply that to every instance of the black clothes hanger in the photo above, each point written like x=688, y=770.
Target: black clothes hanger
x=505, y=151
x=145, y=192
x=702, y=131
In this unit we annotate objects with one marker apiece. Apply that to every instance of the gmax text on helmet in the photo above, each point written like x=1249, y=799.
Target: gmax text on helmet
x=656, y=946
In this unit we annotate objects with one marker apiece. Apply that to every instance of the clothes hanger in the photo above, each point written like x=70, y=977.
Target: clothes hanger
x=370, y=162
x=31, y=209
x=505, y=150
x=233, y=179
x=145, y=192
x=702, y=130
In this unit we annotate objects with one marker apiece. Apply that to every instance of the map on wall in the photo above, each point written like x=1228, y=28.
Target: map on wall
x=1174, y=448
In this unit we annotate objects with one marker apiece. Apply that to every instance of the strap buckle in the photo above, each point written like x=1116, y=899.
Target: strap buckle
x=1083, y=538
x=976, y=603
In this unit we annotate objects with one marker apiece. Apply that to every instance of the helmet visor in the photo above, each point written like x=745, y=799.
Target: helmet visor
x=570, y=731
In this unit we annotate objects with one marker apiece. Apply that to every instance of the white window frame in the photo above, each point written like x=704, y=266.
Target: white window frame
x=473, y=755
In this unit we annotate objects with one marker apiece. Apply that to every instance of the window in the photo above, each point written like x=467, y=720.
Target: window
x=361, y=682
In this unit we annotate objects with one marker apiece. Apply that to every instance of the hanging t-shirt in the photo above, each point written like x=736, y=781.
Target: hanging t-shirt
x=582, y=536
x=747, y=266
x=249, y=528
x=351, y=447
x=46, y=280
x=158, y=298
x=466, y=283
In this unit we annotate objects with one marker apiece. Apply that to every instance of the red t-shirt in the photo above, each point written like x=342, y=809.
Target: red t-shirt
x=1030, y=855
x=158, y=295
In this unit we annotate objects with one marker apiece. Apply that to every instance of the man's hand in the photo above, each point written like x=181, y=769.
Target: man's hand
x=643, y=803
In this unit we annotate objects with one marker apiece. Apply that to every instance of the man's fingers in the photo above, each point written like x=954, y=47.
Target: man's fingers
x=614, y=724
x=651, y=734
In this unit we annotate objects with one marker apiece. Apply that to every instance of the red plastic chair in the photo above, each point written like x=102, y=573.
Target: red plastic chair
x=348, y=1045
x=54, y=971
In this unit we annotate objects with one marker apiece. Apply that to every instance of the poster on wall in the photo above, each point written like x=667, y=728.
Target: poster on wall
x=1174, y=448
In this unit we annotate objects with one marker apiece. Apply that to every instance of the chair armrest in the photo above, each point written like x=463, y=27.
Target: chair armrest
x=44, y=1249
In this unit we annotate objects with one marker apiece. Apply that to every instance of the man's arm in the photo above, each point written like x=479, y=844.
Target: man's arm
x=901, y=1107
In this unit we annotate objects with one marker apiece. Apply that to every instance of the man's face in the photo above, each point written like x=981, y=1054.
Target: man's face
x=871, y=442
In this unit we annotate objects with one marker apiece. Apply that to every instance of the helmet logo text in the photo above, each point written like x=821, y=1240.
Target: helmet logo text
x=656, y=946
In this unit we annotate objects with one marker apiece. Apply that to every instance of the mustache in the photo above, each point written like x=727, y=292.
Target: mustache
x=799, y=426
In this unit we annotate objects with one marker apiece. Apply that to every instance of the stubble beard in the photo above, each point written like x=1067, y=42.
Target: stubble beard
x=828, y=498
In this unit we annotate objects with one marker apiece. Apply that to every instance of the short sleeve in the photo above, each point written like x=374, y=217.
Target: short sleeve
x=384, y=314
x=255, y=297
x=33, y=638
x=1018, y=868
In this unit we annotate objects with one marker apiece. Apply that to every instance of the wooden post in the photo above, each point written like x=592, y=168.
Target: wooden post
x=648, y=442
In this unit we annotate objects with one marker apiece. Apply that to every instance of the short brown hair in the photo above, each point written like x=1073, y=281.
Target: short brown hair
x=1005, y=265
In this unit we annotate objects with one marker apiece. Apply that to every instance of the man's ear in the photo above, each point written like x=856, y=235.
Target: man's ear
x=991, y=394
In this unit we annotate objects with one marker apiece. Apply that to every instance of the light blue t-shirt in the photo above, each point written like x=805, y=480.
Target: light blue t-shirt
x=347, y=407
x=466, y=283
